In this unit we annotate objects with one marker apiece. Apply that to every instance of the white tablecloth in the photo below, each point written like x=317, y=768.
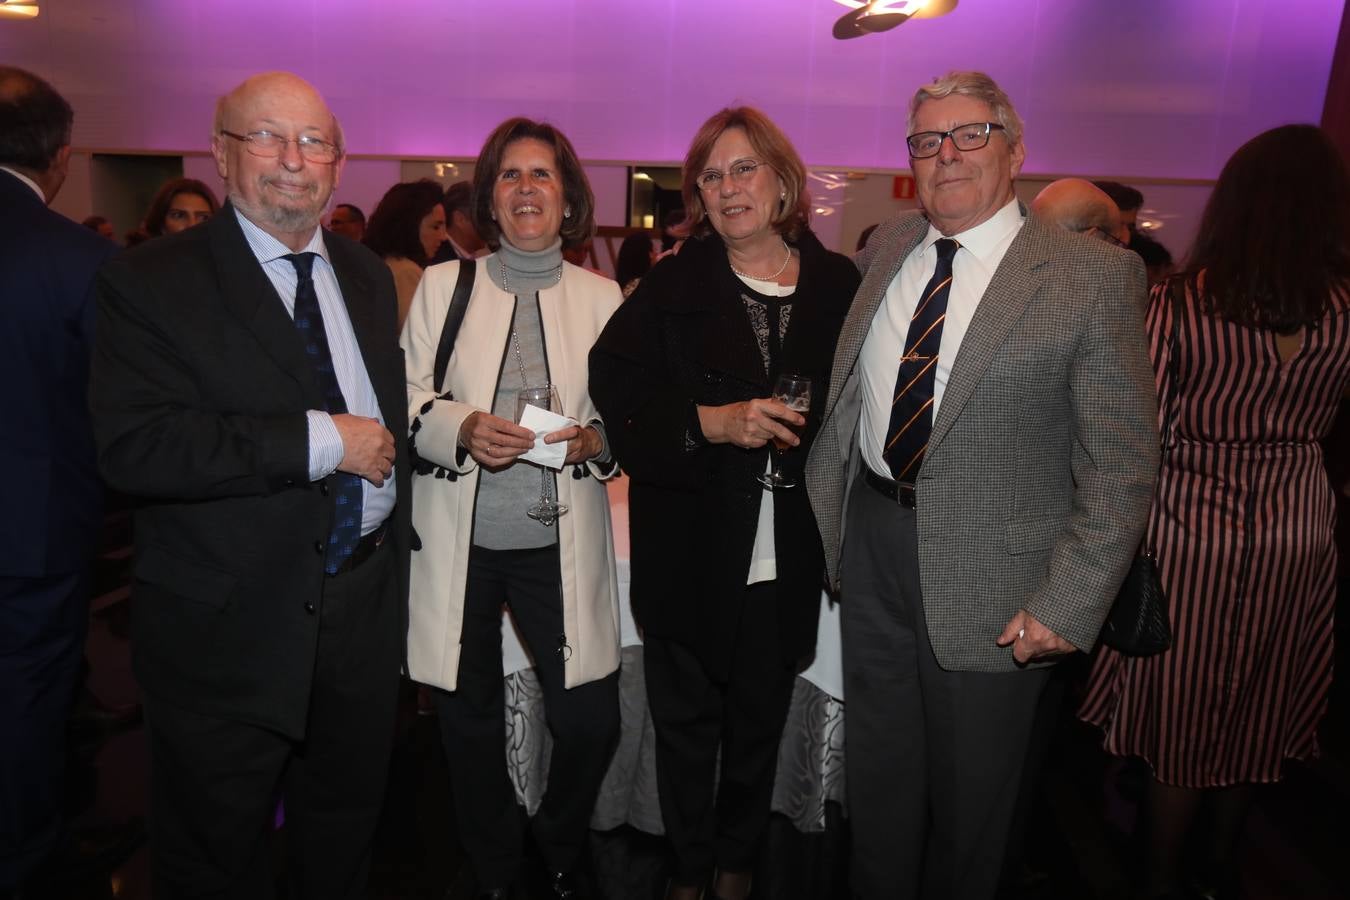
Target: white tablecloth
x=826, y=672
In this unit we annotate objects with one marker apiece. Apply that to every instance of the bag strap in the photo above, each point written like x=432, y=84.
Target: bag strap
x=454, y=317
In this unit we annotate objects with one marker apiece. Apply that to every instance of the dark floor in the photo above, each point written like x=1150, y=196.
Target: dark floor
x=1296, y=845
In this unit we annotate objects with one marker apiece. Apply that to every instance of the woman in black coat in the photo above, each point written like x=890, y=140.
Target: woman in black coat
x=726, y=573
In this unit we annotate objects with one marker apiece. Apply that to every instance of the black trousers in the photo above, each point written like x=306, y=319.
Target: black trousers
x=583, y=721
x=215, y=782
x=933, y=757
x=695, y=714
x=42, y=628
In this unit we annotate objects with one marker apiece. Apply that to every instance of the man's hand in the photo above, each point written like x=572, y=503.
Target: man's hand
x=1032, y=640
x=367, y=448
x=750, y=423
x=582, y=443
x=493, y=441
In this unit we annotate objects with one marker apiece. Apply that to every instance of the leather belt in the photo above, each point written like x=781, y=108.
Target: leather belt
x=901, y=492
x=365, y=549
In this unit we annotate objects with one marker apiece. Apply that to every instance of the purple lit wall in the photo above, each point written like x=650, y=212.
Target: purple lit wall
x=1152, y=88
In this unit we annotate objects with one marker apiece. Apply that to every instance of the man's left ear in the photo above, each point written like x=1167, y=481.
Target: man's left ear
x=1018, y=156
x=337, y=169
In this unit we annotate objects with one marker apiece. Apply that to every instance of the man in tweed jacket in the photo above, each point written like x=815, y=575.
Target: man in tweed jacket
x=1003, y=547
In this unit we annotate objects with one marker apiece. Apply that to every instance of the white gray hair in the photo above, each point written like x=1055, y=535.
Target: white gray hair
x=978, y=86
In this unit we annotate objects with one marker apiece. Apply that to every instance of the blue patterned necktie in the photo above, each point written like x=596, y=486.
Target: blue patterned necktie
x=911, y=421
x=347, y=497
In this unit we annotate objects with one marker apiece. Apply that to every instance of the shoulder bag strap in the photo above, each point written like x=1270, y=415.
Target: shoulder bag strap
x=454, y=317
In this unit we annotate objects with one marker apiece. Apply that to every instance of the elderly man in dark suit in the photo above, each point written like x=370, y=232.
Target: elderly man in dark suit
x=980, y=481
x=249, y=388
x=53, y=497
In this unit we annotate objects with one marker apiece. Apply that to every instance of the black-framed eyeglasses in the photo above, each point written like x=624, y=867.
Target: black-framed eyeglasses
x=971, y=136
x=740, y=172
x=1099, y=232
x=270, y=146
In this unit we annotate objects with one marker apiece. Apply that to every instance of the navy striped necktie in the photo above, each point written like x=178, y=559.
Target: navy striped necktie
x=348, y=500
x=911, y=421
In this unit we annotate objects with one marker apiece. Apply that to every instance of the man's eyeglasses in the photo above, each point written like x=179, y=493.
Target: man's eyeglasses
x=270, y=146
x=1099, y=232
x=740, y=172
x=971, y=136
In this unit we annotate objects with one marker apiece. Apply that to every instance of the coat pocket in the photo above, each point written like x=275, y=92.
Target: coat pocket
x=1032, y=535
x=190, y=580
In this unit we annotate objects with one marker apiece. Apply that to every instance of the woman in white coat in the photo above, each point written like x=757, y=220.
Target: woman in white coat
x=531, y=320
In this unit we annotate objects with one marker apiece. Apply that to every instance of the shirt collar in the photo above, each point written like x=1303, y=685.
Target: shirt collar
x=268, y=249
x=28, y=181
x=984, y=237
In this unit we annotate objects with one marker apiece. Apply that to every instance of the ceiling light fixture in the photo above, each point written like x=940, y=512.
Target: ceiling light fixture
x=875, y=16
x=18, y=9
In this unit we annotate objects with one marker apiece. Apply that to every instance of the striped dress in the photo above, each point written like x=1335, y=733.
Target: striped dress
x=1242, y=529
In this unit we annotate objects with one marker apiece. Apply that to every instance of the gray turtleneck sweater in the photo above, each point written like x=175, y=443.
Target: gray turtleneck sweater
x=504, y=495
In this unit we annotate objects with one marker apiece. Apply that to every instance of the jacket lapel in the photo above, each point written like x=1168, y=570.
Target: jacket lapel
x=249, y=294
x=726, y=344
x=876, y=281
x=1015, y=283
x=358, y=295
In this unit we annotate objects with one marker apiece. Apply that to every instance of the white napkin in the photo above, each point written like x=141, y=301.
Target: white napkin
x=542, y=422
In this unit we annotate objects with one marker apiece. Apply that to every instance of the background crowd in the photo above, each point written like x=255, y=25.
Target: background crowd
x=962, y=434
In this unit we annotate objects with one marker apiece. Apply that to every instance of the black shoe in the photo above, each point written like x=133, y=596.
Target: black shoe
x=565, y=886
x=88, y=857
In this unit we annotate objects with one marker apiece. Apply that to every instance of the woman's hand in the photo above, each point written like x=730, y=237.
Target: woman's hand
x=582, y=443
x=492, y=441
x=750, y=423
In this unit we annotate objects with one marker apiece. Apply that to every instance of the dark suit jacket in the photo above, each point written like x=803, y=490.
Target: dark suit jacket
x=684, y=338
x=200, y=392
x=53, y=494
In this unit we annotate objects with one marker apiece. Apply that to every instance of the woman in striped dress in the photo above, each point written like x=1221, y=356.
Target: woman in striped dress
x=1242, y=522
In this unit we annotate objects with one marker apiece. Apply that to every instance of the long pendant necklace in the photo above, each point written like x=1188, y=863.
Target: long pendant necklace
x=515, y=338
x=786, y=259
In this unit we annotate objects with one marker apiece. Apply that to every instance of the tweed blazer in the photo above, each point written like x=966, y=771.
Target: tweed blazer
x=1040, y=469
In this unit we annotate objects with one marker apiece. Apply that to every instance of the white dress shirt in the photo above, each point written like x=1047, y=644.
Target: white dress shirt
x=325, y=444
x=982, y=249
x=28, y=181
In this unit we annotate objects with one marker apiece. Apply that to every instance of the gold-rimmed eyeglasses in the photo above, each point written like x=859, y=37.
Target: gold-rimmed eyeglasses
x=270, y=146
x=740, y=172
x=971, y=136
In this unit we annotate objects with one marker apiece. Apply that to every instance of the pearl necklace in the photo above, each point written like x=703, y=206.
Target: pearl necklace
x=786, y=259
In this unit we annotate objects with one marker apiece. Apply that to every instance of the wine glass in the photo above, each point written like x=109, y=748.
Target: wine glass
x=794, y=392
x=547, y=509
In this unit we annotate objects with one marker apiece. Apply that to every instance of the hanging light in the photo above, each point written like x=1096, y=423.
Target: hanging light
x=874, y=16
x=18, y=9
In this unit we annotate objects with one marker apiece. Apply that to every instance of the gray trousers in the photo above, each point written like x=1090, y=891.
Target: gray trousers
x=933, y=757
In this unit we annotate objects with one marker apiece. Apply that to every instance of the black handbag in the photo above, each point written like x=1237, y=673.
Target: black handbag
x=1137, y=624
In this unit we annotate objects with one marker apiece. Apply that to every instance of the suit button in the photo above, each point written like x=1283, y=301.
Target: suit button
x=290, y=482
x=309, y=607
x=323, y=488
x=318, y=546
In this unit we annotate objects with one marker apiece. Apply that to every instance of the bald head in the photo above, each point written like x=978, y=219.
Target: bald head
x=257, y=87
x=1077, y=205
x=280, y=185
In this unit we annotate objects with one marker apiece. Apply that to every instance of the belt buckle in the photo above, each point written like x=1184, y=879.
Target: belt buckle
x=904, y=494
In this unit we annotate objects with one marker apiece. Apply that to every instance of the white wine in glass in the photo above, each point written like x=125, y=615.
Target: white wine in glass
x=794, y=392
x=547, y=509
